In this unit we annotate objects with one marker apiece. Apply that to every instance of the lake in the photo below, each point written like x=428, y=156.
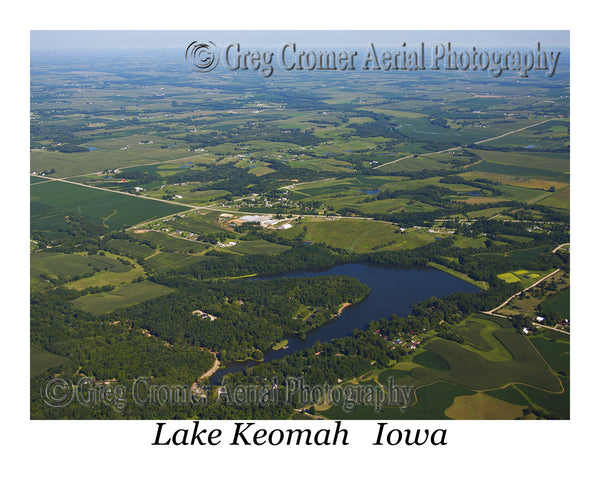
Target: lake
x=393, y=290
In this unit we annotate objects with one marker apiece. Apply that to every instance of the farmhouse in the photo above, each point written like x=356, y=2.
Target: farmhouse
x=204, y=315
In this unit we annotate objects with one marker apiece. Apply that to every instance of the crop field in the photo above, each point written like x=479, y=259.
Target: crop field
x=555, y=162
x=509, y=394
x=172, y=260
x=557, y=403
x=472, y=370
x=131, y=249
x=556, y=353
x=101, y=303
x=509, y=277
x=430, y=359
x=70, y=164
x=189, y=196
x=520, y=194
x=107, y=277
x=144, y=183
x=198, y=222
x=523, y=255
x=52, y=201
x=526, y=277
x=40, y=360
x=560, y=199
x=559, y=303
x=482, y=407
x=519, y=171
x=253, y=247
x=33, y=180
x=69, y=266
x=478, y=333
x=167, y=243
x=430, y=403
x=359, y=235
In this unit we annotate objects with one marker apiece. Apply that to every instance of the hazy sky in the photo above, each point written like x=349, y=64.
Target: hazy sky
x=155, y=39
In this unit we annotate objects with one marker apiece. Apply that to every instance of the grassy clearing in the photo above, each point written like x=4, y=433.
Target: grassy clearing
x=100, y=303
x=280, y=345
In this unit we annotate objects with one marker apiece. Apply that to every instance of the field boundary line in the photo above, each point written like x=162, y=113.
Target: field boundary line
x=463, y=146
x=491, y=312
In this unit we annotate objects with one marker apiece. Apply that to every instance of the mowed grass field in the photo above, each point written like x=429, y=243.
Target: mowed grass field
x=100, y=303
x=52, y=201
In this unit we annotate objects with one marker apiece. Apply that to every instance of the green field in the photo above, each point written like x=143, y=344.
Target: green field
x=172, y=260
x=131, y=249
x=52, y=201
x=40, y=360
x=559, y=303
x=110, y=156
x=358, y=235
x=560, y=199
x=472, y=370
x=556, y=353
x=167, y=243
x=481, y=406
x=431, y=402
x=100, y=303
x=257, y=247
x=64, y=266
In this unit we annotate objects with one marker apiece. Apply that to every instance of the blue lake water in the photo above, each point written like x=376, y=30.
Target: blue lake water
x=393, y=290
x=370, y=192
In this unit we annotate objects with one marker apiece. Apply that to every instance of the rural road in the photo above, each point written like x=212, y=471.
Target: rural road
x=559, y=247
x=474, y=143
x=491, y=312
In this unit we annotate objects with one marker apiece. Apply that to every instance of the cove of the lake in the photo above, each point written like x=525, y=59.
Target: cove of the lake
x=393, y=290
